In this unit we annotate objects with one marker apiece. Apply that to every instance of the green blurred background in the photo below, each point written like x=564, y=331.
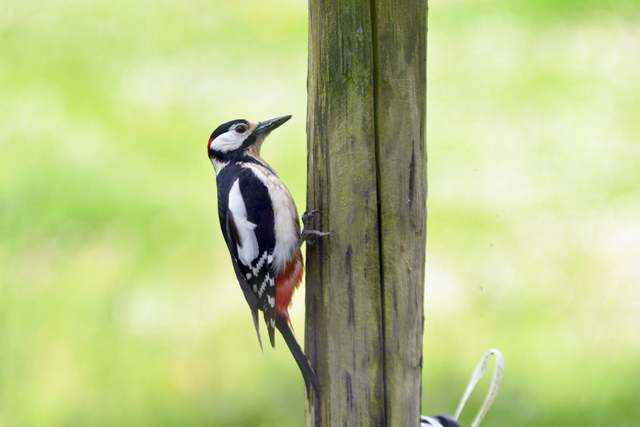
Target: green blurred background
x=118, y=304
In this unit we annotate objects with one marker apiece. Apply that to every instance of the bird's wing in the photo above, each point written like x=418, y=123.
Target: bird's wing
x=254, y=242
x=232, y=239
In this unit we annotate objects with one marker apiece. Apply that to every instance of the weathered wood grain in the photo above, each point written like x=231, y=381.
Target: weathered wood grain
x=400, y=111
x=367, y=174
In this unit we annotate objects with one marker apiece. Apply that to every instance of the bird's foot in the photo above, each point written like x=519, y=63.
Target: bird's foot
x=308, y=234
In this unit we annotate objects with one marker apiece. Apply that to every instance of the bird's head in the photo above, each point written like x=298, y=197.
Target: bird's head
x=238, y=138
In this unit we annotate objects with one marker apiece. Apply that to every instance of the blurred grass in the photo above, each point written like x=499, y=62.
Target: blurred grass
x=117, y=303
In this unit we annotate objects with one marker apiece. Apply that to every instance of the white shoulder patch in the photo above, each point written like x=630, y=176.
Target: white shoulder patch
x=248, y=244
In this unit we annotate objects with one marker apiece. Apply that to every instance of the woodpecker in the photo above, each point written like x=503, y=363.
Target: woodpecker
x=259, y=221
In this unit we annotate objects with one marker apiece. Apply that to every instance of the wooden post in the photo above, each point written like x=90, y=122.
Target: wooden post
x=367, y=175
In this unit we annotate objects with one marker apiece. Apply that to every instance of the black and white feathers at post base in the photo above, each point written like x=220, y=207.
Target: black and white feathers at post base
x=439, y=421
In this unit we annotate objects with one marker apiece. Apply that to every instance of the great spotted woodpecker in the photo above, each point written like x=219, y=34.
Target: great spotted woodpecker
x=260, y=225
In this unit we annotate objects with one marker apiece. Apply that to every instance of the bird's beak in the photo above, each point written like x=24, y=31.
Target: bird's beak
x=267, y=126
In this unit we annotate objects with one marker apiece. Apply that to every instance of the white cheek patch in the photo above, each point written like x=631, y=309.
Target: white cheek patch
x=229, y=141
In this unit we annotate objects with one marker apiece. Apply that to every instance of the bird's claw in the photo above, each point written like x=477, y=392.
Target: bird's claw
x=306, y=234
x=307, y=216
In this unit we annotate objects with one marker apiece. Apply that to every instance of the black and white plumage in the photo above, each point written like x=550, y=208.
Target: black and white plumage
x=260, y=225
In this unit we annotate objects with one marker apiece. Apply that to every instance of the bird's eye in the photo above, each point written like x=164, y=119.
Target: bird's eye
x=241, y=129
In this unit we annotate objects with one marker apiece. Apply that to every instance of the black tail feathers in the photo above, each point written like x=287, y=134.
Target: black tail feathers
x=309, y=376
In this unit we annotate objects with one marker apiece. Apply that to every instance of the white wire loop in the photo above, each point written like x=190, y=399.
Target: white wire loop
x=493, y=390
x=481, y=369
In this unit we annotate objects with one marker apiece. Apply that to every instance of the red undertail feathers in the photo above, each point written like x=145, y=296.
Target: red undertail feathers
x=286, y=283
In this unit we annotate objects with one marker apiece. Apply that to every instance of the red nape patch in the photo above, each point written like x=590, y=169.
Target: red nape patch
x=286, y=283
x=209, y=145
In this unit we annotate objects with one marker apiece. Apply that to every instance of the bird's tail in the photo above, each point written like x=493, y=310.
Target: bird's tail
x=254, y=314
x=309, y=376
